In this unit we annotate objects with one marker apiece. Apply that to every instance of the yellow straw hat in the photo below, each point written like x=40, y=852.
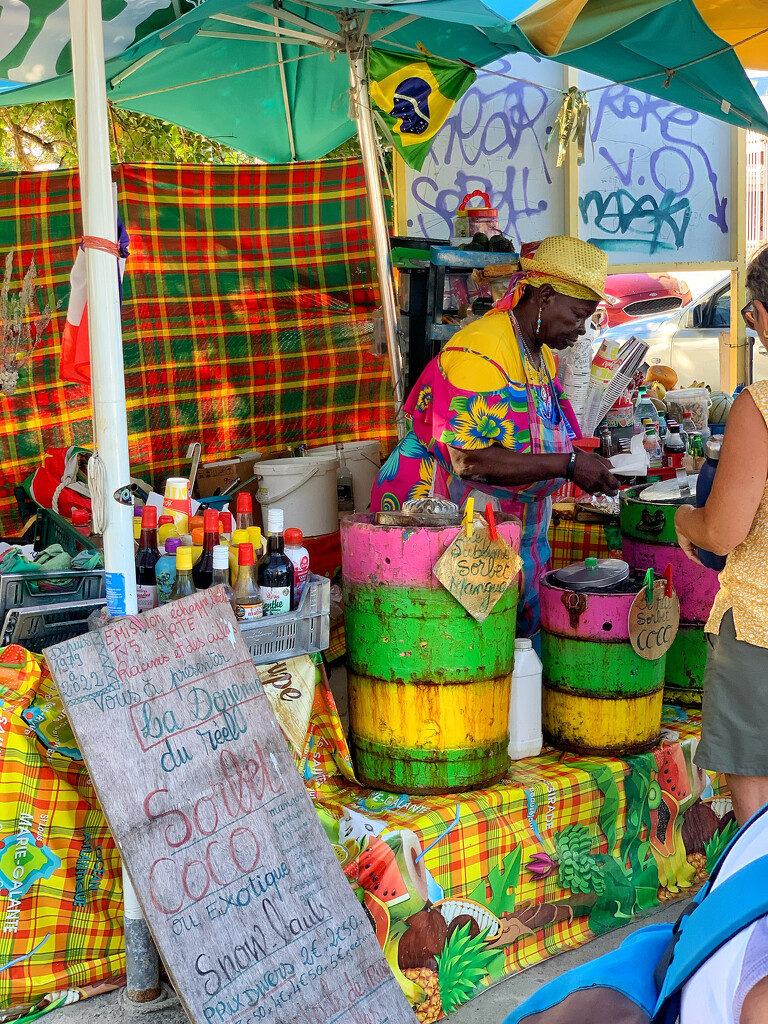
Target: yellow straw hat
x=572, y=267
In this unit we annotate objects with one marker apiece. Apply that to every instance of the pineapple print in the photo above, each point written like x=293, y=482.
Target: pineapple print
x=431, y=1009
x=463, y=965
x=577, y=869
x=698, y=862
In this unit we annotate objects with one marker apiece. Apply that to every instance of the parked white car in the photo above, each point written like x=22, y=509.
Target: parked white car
x=688, y=339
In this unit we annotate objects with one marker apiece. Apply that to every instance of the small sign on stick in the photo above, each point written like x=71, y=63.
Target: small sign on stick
x=477, y=570
x=653, y=627
x=245, y=899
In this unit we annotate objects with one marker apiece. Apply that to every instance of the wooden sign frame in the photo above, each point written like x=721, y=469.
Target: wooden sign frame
x=242, y=892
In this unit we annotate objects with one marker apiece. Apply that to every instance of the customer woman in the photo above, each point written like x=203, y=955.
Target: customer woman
x=489, y=415
x=734, y=522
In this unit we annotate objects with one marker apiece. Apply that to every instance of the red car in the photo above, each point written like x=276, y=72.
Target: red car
x=641, y=295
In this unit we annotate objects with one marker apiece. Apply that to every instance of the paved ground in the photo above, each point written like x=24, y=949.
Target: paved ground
x=489, y=1008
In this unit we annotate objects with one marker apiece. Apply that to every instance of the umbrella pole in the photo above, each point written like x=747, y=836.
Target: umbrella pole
x=108, y=388
x=368, y=150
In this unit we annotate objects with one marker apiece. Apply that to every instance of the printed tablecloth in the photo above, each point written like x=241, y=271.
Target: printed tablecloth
x=463, y=890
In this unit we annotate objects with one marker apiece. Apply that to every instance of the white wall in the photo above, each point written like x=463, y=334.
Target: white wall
x=654, y=189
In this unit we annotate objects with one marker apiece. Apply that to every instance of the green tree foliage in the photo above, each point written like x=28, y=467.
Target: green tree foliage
x=45, y=134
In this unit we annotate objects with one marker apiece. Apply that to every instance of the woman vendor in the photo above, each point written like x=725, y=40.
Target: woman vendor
x=488, y=413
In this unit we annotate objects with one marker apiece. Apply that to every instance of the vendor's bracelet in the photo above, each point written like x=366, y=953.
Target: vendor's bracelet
x=569, y=469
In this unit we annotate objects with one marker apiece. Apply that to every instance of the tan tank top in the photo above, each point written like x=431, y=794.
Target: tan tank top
x=744, y=581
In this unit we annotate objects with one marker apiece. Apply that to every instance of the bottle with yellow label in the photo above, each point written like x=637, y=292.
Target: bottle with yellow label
x=246, y=600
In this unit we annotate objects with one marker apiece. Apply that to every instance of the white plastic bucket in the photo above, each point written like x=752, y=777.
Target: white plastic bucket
x=364, y=461
x=305, y=489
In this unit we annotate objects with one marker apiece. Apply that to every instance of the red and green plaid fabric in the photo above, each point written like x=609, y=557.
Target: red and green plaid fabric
x=247, y=306
x=572, y=541
x=60, y=875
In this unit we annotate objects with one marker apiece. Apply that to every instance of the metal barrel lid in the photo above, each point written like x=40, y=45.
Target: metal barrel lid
x=667, y=492
x=429, y=511
x=593, y=574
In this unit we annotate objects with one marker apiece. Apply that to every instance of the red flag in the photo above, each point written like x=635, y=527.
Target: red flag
x=75, y=360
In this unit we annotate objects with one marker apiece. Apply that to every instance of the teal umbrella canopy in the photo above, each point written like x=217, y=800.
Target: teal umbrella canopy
x=272, y=78
x=274, y=81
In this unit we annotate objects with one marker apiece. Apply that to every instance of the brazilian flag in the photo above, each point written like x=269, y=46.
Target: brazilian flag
x=414, y=97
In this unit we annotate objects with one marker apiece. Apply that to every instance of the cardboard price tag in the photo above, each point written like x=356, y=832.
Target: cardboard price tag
x=477, y=571
x=653, y=627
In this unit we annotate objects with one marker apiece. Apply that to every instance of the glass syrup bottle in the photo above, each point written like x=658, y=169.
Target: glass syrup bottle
x=275, y=570
x=247, y=599
x=146, y=559
x=202, y=570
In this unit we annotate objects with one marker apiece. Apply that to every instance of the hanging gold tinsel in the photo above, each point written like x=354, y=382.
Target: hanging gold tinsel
x=571, y=124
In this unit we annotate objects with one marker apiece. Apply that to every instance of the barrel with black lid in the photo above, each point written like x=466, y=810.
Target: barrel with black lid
x=599, y=695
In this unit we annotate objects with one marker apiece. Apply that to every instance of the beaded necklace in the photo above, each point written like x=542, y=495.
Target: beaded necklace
x=537, y=376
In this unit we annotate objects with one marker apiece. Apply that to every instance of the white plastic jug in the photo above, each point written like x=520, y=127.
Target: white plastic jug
x=525, y=703
x=363, y=459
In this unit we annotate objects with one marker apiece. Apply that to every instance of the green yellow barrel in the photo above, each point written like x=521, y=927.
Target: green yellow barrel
x=686, y=664
x=428, y=685
x=599, y=696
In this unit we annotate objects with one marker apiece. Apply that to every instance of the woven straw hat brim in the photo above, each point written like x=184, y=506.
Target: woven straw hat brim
x=585, y=281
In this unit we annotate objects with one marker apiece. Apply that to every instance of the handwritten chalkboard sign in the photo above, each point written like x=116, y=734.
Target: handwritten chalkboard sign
x=477, y=570
x=246, y=902
x=653, y=627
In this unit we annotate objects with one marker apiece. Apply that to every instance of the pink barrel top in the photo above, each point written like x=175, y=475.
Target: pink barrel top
x=398, y=557
x=696, y=586
x=586, y=615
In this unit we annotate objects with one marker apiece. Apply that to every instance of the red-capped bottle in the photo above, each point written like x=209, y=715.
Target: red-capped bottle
x=202, y=570
x=244, y=511
x=246, y=597
x=146, y=559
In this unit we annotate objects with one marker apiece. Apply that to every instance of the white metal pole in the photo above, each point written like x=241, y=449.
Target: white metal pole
x=107, y=374
x=108, y=388
x=368, y=150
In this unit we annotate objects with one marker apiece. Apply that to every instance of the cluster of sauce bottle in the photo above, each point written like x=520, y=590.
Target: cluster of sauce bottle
x=260, y=578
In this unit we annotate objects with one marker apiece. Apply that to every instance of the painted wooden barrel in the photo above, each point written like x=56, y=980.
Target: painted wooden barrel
x=686, y=663
x=599, y=696
x=649, y=541
x=695, y=585
x=428, y=685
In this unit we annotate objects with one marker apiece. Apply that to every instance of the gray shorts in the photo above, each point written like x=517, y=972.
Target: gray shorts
x=734, y=733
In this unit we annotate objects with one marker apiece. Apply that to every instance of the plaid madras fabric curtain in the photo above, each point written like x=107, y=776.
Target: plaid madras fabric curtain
x=247, y=305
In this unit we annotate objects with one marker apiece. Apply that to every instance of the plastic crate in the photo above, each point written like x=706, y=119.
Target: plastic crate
x=45, y=590
x=50, y=589
x=45, y=625
x=303, y=631
x=51, y=528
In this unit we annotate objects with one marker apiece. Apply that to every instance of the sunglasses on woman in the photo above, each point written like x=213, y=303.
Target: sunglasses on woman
x=748, y=314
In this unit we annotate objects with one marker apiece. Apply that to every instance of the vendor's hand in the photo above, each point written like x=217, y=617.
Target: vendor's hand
x=592, y=473
x=689, y=548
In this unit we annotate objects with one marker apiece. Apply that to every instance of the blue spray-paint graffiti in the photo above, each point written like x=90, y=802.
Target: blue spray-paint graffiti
x=641, y=215
x=470, y=138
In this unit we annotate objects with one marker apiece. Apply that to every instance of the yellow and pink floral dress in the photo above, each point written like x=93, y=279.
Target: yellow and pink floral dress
x=480, y=391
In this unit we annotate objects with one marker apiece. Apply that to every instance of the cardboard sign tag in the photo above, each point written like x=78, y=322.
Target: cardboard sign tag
x=653, y=627
x=241, y=889
x=477, y=571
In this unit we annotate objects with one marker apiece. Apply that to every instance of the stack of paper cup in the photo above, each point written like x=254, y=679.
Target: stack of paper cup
x=177, y=502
